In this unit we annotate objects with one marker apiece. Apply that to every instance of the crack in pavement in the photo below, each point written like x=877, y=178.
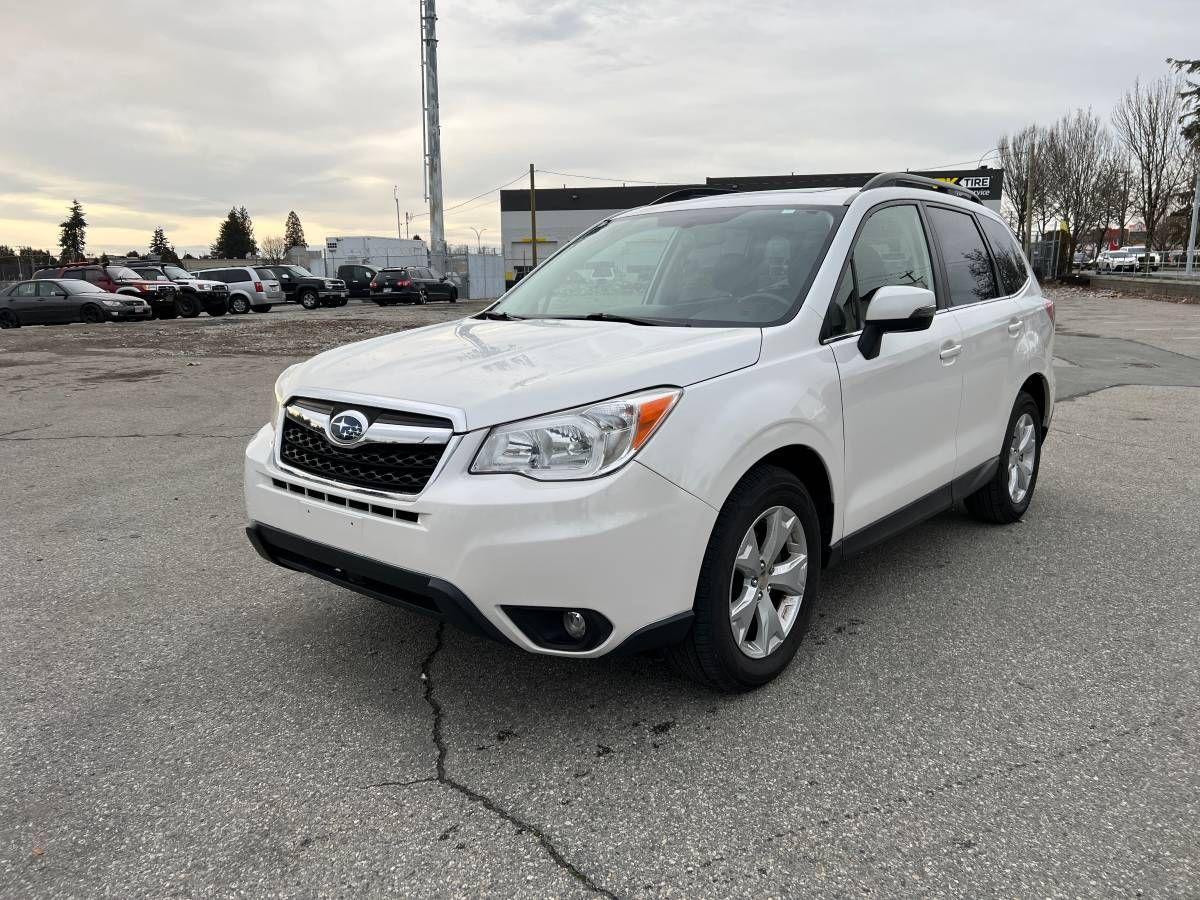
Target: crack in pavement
x=486, y=802
x=912, y=795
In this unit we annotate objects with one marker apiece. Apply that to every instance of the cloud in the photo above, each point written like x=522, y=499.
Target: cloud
x=316, y=106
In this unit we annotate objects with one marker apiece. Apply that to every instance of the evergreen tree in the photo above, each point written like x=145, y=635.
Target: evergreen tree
x=1190, y=94
x=248, y=230
x=293, y=233
x=236, y=237
x=158, y=242
x=71, y=239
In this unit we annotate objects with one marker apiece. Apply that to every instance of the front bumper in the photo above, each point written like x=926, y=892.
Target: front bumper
x=334, y=295
x=130, y=315
x=628, y=545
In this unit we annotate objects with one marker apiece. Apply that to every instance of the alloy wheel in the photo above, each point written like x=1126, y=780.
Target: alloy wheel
x=767, y=587
x=1022, y=455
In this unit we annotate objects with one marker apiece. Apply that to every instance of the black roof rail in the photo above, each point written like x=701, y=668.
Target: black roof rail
x=689, y=194
x=907, y=179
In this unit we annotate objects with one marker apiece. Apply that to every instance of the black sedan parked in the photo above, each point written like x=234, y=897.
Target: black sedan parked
x=411, y=284
x=53, y=302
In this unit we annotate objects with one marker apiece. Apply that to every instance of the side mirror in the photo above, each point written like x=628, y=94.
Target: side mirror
x=895, y=308
x=443, y=278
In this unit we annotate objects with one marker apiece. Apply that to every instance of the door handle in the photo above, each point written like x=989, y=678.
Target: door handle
x=1014, y=327
x=948, y=353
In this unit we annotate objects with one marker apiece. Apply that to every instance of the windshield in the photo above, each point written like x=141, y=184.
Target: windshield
x=80, y=287
x=737, y=266
x=298, y=271
x=177, y=272
x=123, y=273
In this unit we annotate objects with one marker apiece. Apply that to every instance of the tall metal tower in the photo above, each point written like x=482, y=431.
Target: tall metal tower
x=431, y=126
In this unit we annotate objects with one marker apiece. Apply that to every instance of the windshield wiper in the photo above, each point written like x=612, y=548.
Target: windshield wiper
x=498, y=316
x=630, y=320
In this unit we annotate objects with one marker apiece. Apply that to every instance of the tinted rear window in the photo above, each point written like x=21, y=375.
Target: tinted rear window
x=1008, y=258
x=968, y=266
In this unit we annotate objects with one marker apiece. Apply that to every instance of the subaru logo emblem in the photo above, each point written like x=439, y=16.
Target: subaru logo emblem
x=348, y=427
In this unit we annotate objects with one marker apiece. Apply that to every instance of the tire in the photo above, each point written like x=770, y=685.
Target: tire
x=262, y=308
x=239, y=304
x=711, y=653
x=187, y=306
x=1007, y=495
x=422, y=299
x=309, y=300
x=8, y=319
x=91, y=314
x=453, y=295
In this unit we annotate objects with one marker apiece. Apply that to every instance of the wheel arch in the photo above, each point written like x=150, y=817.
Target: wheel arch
x=1037, y=386
x=807, y=465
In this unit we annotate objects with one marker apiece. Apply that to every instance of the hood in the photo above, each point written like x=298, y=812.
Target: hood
x=502, y=371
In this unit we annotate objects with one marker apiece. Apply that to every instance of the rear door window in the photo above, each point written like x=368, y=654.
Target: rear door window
x=968, y=264
x=73, y=273
x=1009, y=262
x=27, y=290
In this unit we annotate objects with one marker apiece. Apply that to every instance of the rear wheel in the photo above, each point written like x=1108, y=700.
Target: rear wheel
x=187, y=306
x=758, y=584
x=1007, y=495
x=310, y=300
x=91, y=314
x=239, y=305
x=8, y=319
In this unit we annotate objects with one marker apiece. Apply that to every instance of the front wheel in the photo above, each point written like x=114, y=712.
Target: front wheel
x=310, y=300
x=1007, y=495
x=93, y=315
x=758, y=584
x=187, y=306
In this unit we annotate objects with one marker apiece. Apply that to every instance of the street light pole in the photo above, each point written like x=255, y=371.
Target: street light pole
x=396, y=197
x=478, y=238
x=1191, y=247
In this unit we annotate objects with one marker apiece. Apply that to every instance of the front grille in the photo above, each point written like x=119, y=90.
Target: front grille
x=396, y=468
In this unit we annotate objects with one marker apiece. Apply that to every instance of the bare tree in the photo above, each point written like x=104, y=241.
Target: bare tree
x=1146, y=121
x=273, y=248
x=1078, y=161
x=1017, y=157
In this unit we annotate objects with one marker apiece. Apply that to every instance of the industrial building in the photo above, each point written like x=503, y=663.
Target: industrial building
x=563, y=213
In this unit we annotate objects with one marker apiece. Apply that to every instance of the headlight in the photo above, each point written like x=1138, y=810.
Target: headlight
x=578, y=443
x=112, y=304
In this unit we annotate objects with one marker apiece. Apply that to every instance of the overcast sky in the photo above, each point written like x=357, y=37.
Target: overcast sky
x=168, y=113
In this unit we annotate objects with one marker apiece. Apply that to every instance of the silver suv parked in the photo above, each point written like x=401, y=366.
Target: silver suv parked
x=250, y=287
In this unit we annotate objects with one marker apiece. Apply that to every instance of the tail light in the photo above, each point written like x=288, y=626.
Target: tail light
x=1049, y=306
x=404, y=283
x=258, y=289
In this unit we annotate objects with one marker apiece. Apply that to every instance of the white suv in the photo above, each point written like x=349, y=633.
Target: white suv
x=590, y=467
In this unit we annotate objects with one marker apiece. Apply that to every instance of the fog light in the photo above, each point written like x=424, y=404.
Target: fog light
x=575, y=624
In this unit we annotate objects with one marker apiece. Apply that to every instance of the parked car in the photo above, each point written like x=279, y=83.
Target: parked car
x=396, y=285
x=1116, y=261
x=674, y=464
x=1139, y=255
x=309, y=290
x=411, y=284
x=196, y=295
x=357, y=278
x=250, y=287
x=46, y=301
x=119, y=279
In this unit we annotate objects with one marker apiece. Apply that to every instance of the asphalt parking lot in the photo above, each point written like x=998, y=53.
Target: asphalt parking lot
x=978, y=711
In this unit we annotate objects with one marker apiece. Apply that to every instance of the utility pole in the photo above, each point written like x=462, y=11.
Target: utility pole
x=1191, y=246
x=1028, y=224
x=408, y=217
x=433, y=131
x=396, y=197
x=532, y=218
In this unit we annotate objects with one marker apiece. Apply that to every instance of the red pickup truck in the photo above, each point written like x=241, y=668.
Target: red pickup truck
x=121, y=280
